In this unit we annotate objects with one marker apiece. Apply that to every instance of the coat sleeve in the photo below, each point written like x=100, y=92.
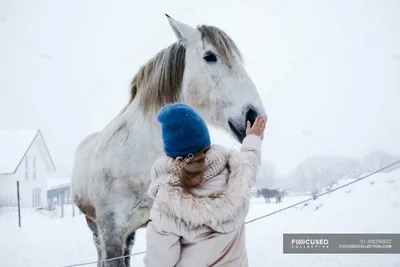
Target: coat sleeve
x=162, y=249
x=251, y=152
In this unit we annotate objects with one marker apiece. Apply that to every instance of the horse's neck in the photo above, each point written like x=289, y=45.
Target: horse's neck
x=145, y=131
x=123, y=110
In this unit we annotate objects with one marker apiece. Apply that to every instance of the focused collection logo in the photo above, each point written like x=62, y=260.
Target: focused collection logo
x=310, y=243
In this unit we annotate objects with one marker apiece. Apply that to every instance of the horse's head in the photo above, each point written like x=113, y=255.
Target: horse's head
x=215, y=81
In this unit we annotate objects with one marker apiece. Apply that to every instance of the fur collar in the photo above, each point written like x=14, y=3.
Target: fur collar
x=211, y=210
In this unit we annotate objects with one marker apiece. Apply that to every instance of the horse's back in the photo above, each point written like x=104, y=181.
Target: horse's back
x=82, y=154
x=80, y=170
x=89, y=140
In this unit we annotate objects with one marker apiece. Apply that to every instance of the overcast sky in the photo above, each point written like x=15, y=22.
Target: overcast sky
x=328, y=72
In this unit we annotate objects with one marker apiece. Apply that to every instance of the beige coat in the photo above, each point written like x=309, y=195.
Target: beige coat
x=187, y=231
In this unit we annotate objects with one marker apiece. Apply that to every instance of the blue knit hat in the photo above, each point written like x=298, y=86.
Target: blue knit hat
x=183, y=130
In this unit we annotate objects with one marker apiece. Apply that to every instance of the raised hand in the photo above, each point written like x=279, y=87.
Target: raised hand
x=257, y=128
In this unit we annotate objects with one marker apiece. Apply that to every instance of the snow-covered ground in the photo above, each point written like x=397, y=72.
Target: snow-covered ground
x=368, y=206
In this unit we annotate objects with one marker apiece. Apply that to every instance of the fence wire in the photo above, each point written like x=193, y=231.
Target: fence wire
x=261, y=217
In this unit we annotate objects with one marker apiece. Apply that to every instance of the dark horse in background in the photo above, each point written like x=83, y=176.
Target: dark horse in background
x=271, y=193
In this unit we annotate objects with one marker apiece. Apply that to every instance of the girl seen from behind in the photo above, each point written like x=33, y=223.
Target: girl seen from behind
x=201, y=194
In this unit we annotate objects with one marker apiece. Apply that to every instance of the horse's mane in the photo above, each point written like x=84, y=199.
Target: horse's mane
x=161, y=77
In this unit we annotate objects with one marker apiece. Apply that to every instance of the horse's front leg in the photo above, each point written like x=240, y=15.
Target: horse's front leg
x=96, y=239
x=139, y=219
x=113, y=241
x=129, y=243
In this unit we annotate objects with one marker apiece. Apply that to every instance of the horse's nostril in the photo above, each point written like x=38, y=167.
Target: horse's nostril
x=251, y=116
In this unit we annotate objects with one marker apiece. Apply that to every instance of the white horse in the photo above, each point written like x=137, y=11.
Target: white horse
x=111, y=173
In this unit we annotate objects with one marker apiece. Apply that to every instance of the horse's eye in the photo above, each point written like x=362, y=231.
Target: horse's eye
x=210, y=57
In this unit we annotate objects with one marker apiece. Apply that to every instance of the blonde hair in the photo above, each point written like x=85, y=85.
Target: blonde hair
x=191, y=170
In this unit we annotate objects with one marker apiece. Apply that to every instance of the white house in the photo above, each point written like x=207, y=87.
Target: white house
x=24, y=157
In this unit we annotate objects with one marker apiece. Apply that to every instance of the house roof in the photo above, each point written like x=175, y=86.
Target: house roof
x=54, y=183
x=14, y=144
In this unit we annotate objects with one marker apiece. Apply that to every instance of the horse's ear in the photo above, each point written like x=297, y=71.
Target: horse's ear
x=183, y=32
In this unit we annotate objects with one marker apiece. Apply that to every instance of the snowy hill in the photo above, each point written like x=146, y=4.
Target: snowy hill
x=368, y=206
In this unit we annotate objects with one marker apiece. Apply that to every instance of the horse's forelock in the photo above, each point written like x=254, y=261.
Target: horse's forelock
x=225, y=46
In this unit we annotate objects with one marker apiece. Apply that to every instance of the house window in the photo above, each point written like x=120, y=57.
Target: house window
x=26, y=168
x=36, y=200
x=34, y=168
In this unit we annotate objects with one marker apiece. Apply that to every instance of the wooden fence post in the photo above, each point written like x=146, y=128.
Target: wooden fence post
x=62, y=205
x=19, y=206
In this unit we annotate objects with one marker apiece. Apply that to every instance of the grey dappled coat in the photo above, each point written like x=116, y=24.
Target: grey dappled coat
x=209, y=230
